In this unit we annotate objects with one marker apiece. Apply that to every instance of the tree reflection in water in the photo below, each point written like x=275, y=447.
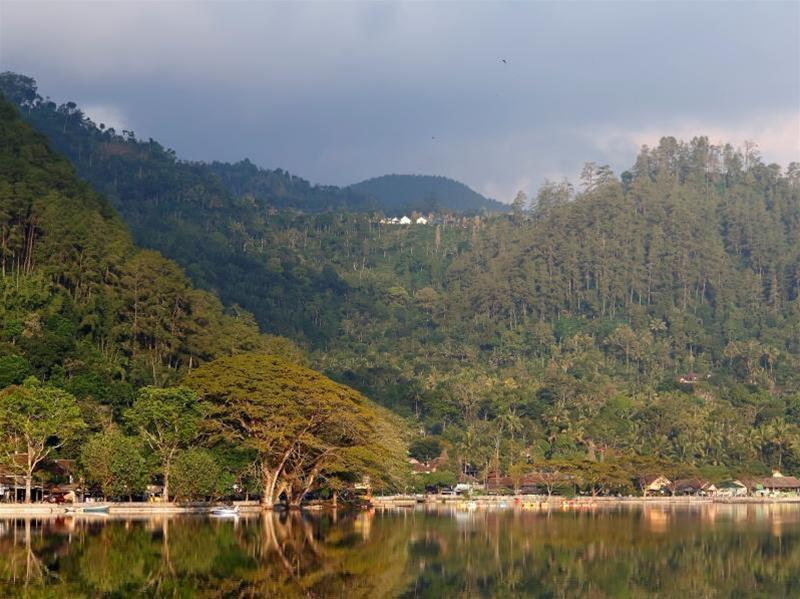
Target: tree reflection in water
x=717, y=550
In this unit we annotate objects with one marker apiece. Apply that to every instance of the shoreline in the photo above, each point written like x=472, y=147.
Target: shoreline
x=116, y=508
x=531, y=501
x=390, y=502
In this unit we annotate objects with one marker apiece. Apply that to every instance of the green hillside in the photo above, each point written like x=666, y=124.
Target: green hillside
x=562, y=331
x=82, y=305
x=95, y=335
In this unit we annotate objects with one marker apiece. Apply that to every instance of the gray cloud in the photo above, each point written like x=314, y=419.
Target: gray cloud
x=337, y=92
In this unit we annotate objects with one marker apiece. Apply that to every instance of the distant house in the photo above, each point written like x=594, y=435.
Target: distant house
x=418, y=467
x=405, y=221
x=12, y=480
x=422, y=220
x=468, y=484
x=495, y=480
x=12, y=486
x=68, y=492
x=731, y=488
x=657, y=484
x=690, y=378
x=433, y=465
x=694, y=486
x=63, y=469
x=777, y=484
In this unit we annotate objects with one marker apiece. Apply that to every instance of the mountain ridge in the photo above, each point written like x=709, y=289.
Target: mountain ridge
x=230, y=181
x=425, y=193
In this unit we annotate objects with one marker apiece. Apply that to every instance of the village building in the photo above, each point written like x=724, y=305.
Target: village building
x=429, y=467
x=691, y=378
x=497, y=482
x=468, y=484
x=777, y=484
x=694, y=486
x=731, y=488
x=415, y=218
x=655, y=484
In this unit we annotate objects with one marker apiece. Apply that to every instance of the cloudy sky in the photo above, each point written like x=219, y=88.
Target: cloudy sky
x=338, y=92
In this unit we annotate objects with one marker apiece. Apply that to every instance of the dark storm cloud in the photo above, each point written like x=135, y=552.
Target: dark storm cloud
x=338, y=92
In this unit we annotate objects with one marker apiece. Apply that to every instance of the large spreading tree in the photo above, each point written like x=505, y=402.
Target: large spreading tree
x=302, y=425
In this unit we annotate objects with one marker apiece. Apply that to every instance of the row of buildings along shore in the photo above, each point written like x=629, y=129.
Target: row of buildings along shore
x=536, y=483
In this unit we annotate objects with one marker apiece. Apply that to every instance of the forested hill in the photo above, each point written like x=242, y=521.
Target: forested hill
x=137, y=173
x=97, y=334
x=279, y=189
x=562, y=329
x=82, y=307
x=423, y=193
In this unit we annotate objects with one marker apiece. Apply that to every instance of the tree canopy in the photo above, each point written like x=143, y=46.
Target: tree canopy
x=35, y=420
x=302, y=425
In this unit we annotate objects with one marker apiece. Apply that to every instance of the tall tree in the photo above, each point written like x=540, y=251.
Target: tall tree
x=36, y=420
x=168, y=420
x=114, y=461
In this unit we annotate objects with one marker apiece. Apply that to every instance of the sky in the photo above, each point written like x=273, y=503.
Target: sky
x=499, y=95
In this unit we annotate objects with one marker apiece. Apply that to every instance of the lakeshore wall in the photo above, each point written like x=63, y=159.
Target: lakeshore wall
x=393, y=501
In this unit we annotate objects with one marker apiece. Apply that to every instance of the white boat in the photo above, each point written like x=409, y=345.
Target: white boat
x=225, y=512
x=101, y=510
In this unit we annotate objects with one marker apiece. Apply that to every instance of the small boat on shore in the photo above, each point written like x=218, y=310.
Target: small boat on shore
x=88, y=509
x=95, y=509
x=225, y=512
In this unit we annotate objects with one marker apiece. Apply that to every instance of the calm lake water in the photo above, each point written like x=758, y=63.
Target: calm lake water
x=670, y=551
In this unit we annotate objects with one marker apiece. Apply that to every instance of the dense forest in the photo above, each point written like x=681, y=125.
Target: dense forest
x=106, y=350
x=651, y=314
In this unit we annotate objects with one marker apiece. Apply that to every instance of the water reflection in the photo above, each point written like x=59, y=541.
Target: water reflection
x=698, y=551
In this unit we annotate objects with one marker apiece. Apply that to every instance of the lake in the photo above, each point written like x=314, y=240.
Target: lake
x=713, y=550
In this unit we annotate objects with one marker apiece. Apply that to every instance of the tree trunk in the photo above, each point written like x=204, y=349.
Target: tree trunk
x=269, y=489
x=28, y=485
x=165, y=494
x=271, y=479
